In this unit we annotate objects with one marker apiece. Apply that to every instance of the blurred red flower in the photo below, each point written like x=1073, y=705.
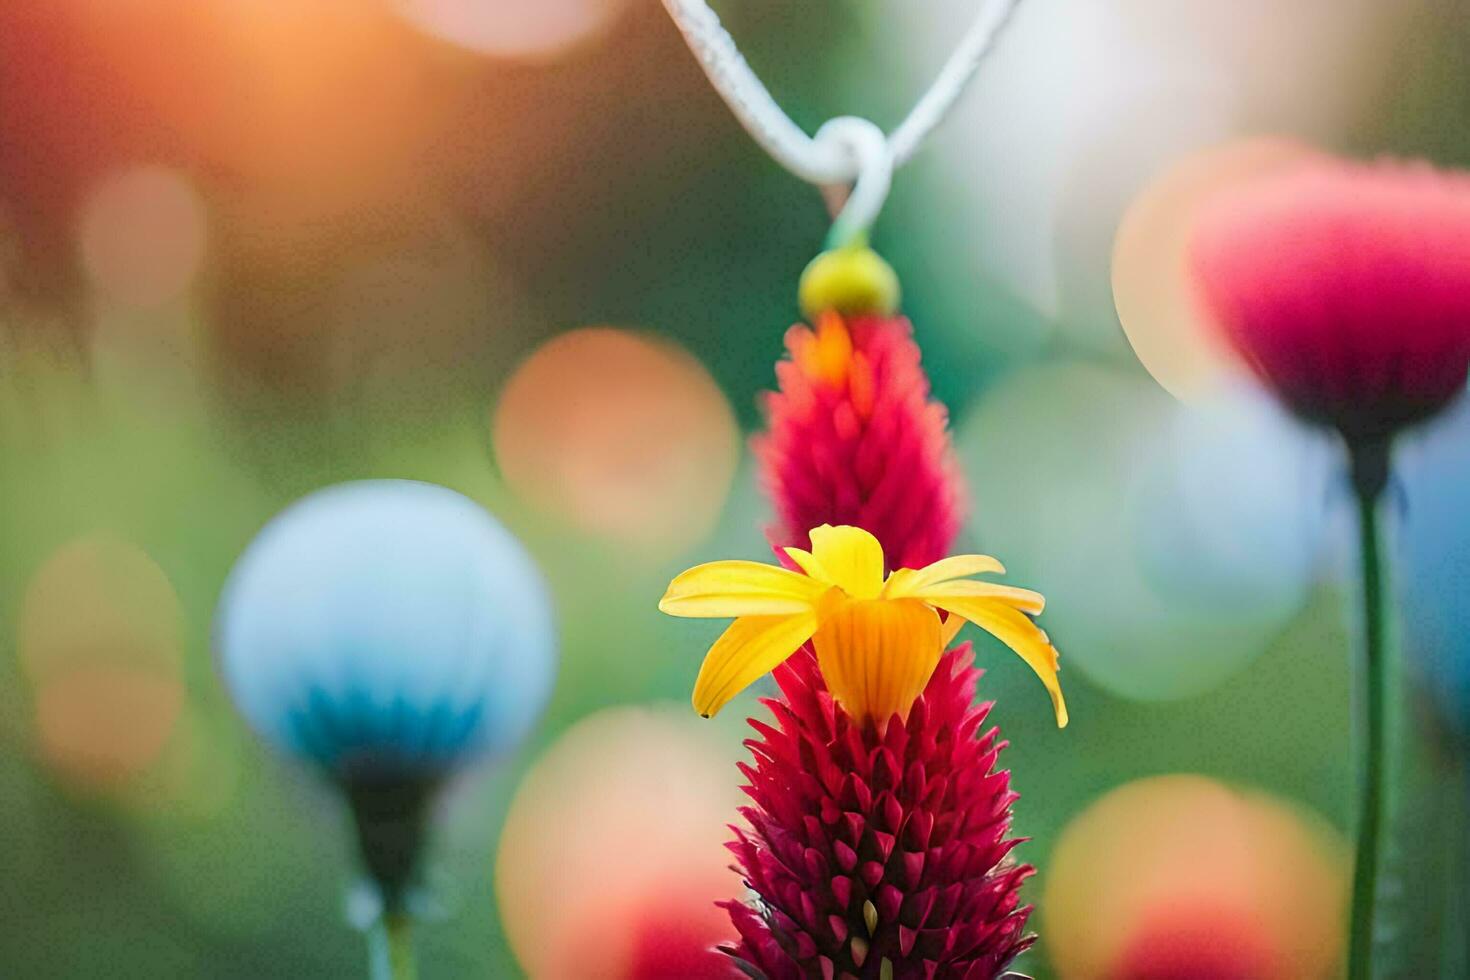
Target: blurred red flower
x=1346, y=287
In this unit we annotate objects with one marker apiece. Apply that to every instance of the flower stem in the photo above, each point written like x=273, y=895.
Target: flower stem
x=390, y=948
x=1370, y=476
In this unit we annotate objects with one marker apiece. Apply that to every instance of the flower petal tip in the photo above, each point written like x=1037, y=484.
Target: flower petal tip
x=1059, y=705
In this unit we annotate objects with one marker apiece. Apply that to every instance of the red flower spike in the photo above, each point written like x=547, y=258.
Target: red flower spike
x=875, y=849
x=910, y=884
x=854, y=438
x=1346, y=287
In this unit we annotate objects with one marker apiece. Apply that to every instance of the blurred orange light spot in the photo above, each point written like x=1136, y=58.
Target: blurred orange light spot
x=142, y=236
x=612, y=855
x=518, y=29
x=101, y=640
x=1151, y=287
x=1182, y=869
x=619, y=433
x=325, y=101
x=102, y=725
x=99, y=599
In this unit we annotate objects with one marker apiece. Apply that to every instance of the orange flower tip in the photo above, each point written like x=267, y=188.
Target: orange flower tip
x=853, y=281
x=827, y=357
x=822, y=442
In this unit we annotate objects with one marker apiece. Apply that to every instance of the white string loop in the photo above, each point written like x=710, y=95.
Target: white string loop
x=844, y=155
x=864, y=149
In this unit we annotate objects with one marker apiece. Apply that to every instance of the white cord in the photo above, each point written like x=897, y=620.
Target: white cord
x=866, y=150
x=951, y=81
x=844, y=151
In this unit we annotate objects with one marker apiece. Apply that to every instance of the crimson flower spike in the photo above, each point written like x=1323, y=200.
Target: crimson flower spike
x=877, y=842
x=853, y=436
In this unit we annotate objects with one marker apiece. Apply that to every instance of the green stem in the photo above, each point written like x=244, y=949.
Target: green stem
x=390, y=948
x=1370, y=472
x=840, y=235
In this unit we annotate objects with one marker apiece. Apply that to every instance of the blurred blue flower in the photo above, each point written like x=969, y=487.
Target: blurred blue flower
x=1435, y=560
x=386, y=630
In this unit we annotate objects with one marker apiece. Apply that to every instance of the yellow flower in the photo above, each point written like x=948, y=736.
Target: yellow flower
x=877, y=640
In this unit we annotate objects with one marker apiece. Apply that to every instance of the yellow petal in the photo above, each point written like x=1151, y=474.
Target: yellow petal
x=877, y=655
x=1017, y=632
x=740, y=588
x=909, y=581
x=950, y=629
x=1022, y=599
x=852, y=557
x=807, y=562
x=752, y=646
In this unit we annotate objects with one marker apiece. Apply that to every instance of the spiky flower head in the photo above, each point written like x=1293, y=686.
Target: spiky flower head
x=878, y=855
x=878, y=843
x=854, y=438
x=1346, y=287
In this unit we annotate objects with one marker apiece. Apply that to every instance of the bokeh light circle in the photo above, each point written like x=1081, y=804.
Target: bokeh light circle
x=1197, y=941
x=1073, y=469
x=529, y=30
x=612, y=855
x=620, y=434
x=1231, y=506
x=142, y=235
x=1181, y=877
x=101, y=641
x=1116, y=148
x=1152, y=290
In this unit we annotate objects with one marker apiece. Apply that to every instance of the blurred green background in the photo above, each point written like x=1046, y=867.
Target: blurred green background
x=248, y=250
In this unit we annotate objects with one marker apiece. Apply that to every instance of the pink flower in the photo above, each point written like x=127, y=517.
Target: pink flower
x=1346, y=287
x=854, y=438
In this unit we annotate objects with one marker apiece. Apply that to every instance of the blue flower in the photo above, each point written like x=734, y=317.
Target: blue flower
x=386, y=631
x=1435, y=569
